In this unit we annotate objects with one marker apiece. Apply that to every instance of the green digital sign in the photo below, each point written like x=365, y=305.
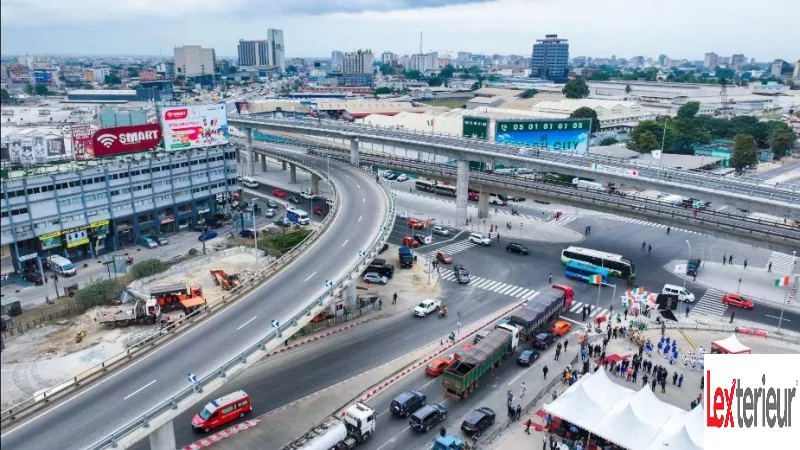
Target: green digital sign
x=476, y=127
x=569, y=135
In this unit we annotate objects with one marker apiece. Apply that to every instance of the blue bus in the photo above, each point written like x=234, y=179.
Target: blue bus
x=581, y=271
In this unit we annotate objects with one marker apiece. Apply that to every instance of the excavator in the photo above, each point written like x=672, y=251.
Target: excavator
x=179, y=296
x=224, y=280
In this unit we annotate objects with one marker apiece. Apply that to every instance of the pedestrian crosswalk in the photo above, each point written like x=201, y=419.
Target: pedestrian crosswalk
x=577, y=308
x=781, y=263
x=494, y=286
x=646, y=223
x=450, y=249
x=711, y=303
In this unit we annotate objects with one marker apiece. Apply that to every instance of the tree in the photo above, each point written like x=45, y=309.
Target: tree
x=386, y=69
x=4, y=95
x=99, y=291
x=744, y=151
x=689, y=110
x=645, y=142
x=609, y=141
x=476, y=85
x=576, y=88
x=382, y=91
x=291, y=69
x=528, y=93
x=781, y=139
x=148, y=267
x=41, y=90
x=587, y=113
x=435, y=81
x=639, y=143
x=628, y=89
x=133, y=72
x=28, y=89
x=412, y=74
x=232, y=69
x=447, y=72
x=112, y=79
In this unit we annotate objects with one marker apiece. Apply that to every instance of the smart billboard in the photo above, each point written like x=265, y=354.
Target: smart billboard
x=475, y=127
x=563, y=135
x=135, y=138
x=194, y=126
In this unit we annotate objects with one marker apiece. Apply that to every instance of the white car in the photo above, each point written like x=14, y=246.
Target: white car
x=270, y=213
x=402, y=177
x=426, y=307
x=477, y=238
x=307, y=196
x=441, y=231
x=375, y=278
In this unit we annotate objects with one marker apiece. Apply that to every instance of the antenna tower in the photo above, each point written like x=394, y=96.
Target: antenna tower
x=723, y=94
x=420, y=42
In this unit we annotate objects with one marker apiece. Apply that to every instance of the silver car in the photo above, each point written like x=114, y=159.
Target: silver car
x=441, y=231
x=270, y=213
x=375, y=278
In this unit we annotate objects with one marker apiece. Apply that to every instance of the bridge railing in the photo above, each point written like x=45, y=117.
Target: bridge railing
x=643, y=169
x=276, y=336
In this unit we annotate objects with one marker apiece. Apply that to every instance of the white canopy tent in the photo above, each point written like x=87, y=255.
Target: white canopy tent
x=587, y=401
x=730, y=344
x=684, y=431
x=635, y=422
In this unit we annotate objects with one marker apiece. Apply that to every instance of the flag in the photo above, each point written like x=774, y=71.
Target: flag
x=656, y=154
x=430, y=123
x=595, y=279
x=427, y=223
x=784, y=281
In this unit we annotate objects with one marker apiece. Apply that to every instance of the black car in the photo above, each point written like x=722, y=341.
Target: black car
x=272, y=203
x=407, y=403
x=543, y=340
x=427, y=417
x=33, y=277
x=294, y=200
x=527, y=357
x=515, y=247
x=384, y=248
x=478, y=421
x=420, y=239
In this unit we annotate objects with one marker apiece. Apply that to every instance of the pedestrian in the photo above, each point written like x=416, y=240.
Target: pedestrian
x=394, y=298
x=675, y=379
x=380, y=304
x=694, y=277
x=732, y=315
x=544, y=371
x=528, y=426
x=498, y=237
x=519, y=412
x=649, y=249
x=550, y=278
x=687, y=311
x=545, y=441
x=558, y=352
x=680, y=380
x=522, y=390
x=590, y=230
x=286, y=343
x=668, y=228
x=724, y=258
x=509, y=397
x=583, y=316
x=702, y=382
x=626, y=313
x=769, y=267
x=55, y=277
x=663, y=386
x=730, y=260
x=745, y=263
x=644, y=381
x=644, y=244
x=566, y=341
x=653, y=384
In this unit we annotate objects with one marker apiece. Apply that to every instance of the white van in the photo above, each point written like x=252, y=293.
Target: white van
x=477, y=238
x=682, y=293
x=249, y=182
x=60, y=265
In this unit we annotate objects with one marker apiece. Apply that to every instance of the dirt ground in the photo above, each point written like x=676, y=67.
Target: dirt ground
x=411, y=285
x=48, y=355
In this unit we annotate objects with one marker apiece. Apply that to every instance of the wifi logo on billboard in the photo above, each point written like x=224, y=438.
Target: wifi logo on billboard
x=107, y=139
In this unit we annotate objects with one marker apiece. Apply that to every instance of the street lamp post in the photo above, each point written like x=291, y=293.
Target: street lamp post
x=255, y=228
x=786, y=295
x=687, y=261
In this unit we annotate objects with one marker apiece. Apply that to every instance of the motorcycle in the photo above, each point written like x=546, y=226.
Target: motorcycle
x=442, y=313
x=514, y=212
x=79, y=336
x=129, y=261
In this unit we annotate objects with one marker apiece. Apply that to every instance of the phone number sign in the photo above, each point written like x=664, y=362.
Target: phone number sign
x=570, y=135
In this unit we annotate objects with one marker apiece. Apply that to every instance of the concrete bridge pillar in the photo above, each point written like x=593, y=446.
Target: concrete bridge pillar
x=354, y=159
x=163, y=438
x=251, y=157
x=292, y=174
x=238, y=156
x=350, y=296
x=263, y=163
x=462, y=185
x=483, y=205
x=283, y=165
x=314, y=184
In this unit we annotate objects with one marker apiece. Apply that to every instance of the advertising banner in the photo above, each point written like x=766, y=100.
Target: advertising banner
x=76, y=236
x=567, y=135
x=82, y=146
x=476, y=127
x=194, y=126
x=55, y=148
x=243, y=108
x=100, y=228
x=117, y=140
x=39, y=150
x=50, y=240
x=15, y=146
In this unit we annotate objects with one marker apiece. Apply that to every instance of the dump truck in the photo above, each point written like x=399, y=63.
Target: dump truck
x=549, y=303
x=462, y=377
x=354, y=428
x=140, y=312
x=178, y=296
x=448, y=442
x=224, y=280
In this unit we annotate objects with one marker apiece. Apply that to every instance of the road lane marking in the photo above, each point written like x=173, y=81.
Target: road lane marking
x=573, y=321
x=429, y=382
x=522, y=373
x=309, y=277
x=365, y=199
x=245, y=324
x=359, y=186
x=345, y=242
x=784, y=319
x=139, y=390
x=359, y=218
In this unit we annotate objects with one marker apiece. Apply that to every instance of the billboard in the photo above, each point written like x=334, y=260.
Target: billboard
x=194, y=126
x=242, y=107
x=135, y=138
x=567, y=135
x=476, y=127
x=82, y=146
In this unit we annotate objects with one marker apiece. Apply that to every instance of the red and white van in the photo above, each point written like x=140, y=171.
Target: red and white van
x=221, y=411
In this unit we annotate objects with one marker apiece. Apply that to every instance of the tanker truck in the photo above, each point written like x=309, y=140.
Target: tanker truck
x=354, y=428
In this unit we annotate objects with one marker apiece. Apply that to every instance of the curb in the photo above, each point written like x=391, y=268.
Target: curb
x=220, y=435
x=315, y=338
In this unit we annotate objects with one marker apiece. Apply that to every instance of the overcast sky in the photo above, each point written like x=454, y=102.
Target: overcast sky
x=599, y=28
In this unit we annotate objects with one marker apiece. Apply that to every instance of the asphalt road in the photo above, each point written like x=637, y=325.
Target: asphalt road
x=103, y=407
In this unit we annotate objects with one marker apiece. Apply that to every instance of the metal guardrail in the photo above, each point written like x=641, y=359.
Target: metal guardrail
x=648, y=171
x=99, y=370
x=705, y=217
x=273, y=338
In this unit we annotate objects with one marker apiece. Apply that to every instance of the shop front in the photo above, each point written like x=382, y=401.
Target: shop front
x=51, y=243
x=77, y=243
x=100, y=236
x=166, y=224
x=123, y=230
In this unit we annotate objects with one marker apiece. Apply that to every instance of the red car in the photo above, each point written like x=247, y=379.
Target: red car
x=409, y=241
x=437, y=366
x=737, y=300
x=278, y=193
x=318, y=211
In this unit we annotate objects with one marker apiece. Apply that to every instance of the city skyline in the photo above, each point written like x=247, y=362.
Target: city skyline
x=313, y=29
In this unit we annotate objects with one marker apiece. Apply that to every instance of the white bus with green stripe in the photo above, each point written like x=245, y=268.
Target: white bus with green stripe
x=617, y=265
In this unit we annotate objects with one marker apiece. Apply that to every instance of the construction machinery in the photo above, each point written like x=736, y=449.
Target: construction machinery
x=141, y=312
x=224, y=280
x=178, y=296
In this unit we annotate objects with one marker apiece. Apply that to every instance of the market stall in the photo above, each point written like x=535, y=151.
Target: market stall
x=729, y=345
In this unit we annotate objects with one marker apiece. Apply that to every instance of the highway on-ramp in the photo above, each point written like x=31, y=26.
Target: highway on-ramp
x=121, y=397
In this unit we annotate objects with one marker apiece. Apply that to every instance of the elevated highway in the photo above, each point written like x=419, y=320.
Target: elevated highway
x=737, y=193
x=122, y=398
x=777, y=237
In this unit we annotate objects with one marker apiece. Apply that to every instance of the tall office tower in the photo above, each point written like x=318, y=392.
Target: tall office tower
x=254, y=53
x=193, y=60
x=662, y=60
x=358, y=62
x=336, y=61
x=711, y=60
x=277, y=56
x=388, y=58
x=737, y=60
x=550, y=59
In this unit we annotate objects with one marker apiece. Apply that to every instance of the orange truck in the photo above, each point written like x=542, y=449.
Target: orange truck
x=224, y=280
x=178, y=296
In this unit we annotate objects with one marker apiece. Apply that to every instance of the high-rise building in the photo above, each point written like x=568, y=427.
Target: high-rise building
x=711, y=60
x=194, y=60
x=336, y=60
x=423, y=62
x=358, y=62
x=550, y=58
x=776, y=68
x=737, y=60
x=388, y=58
x=254, y=53
x=277, y=57
x=796, y=73
x=662, y=60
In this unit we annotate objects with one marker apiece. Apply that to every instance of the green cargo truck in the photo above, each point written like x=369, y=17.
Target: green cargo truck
x=462, y=377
